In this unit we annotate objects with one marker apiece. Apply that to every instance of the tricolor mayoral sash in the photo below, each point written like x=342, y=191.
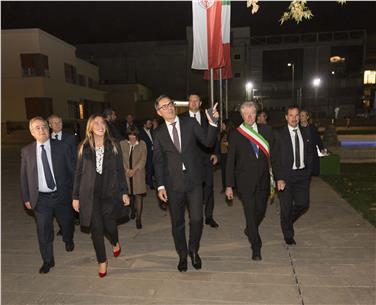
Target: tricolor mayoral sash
x=257, y=139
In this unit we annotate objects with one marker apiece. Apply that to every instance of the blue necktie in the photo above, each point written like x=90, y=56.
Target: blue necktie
x=255, y=148
x=47, y=170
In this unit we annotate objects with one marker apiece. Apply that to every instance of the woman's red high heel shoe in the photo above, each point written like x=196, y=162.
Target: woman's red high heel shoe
x=103, y=274
x=117, y=252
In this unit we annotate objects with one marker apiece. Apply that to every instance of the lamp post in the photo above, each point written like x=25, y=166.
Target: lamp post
x=249, y=90
x=292, y=65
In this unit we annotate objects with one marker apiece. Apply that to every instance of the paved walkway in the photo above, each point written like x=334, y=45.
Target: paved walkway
x=333, y=262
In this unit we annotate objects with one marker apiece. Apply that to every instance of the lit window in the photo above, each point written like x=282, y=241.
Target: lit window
x=369, y=77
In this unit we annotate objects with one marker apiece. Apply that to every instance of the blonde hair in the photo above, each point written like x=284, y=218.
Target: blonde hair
x=89, y=135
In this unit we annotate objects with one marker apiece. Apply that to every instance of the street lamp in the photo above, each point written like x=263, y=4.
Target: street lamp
x=292, y=65
x=249, y=90
x=316, y=82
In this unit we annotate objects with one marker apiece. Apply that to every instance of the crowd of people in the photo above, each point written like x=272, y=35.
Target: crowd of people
x=107, y=175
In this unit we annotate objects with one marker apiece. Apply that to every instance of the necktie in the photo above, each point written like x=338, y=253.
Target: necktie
x=297, y=149
x=175, y=136
x=195, y=116
x=56, y=137
x=47, y=170
x=255, y=148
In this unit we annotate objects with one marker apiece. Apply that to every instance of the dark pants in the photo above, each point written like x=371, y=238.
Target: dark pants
x=149, y=169
x=47, y=206
x=102, y=221
x=223, y=170
x=294, y=201
x=177, y=204
x=254, y=205
x=208, y=191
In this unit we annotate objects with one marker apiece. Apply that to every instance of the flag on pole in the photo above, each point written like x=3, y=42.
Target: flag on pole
x=211, y=32
x=226, y=69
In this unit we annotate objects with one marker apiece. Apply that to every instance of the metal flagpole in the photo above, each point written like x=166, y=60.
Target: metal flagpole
x=211, y=87
x=220, y=98
x=226, y=103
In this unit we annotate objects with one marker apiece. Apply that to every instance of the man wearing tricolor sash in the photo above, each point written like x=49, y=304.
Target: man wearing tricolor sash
x=248, y=170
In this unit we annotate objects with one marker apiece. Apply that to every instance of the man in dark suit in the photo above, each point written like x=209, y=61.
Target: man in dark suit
x=292, y=165
x=210, y=156
x=46, y=188
x=146, y=134
x=248, y=163
x=56, y=124
x=178, y=170
x=110, y=118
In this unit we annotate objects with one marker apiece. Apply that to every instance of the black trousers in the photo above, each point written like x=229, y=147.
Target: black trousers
x=48, y=206
x=103, y=221
x=254, y=205
x=177, y=201
x=223, y=170
x=294, y=201
x=208, y=190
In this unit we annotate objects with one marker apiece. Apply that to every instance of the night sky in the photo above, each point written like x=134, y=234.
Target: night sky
x=100, y=22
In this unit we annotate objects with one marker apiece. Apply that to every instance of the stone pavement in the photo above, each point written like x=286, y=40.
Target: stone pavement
x=333, y=262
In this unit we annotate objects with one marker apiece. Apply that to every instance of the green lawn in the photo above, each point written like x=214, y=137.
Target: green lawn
x=357, y=185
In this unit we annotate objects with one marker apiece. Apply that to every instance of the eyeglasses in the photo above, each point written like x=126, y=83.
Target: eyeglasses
x=166, y=106
x=39, y=128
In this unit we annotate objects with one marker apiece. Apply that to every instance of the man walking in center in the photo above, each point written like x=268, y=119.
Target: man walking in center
x=178, y=171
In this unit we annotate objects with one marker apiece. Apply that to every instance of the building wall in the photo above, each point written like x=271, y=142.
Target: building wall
x=15, y=87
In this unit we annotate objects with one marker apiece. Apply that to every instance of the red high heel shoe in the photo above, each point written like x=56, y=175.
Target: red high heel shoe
x=117, y=252
x=103, y=274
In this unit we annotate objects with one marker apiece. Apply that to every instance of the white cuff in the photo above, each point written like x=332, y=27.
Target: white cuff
x=161, y=188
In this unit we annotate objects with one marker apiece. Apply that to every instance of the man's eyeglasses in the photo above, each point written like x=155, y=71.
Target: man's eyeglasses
x=39, y=128
x=166, y=106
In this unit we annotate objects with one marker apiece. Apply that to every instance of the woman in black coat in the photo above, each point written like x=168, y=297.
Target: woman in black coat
x=315, y=141
x=100, y=187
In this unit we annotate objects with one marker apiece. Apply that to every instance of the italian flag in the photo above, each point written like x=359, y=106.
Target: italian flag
x=211, y=33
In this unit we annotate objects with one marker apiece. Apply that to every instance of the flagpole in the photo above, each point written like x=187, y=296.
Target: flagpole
x=220, y=97
x=226, y=105
x=211, y=87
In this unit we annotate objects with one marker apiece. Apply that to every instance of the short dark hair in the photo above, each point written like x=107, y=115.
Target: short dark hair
x=193, y=93
x=161, y=97
x=132, y=130
x=294, y=106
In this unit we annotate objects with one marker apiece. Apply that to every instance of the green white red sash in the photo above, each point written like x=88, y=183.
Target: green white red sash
x=255, y=137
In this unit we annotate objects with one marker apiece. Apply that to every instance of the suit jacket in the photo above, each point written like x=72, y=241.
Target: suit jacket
x=114, y=131
x=149, y=144
x=62, y=167
x=206, y=151
x=244, y=170
x=284, y=156
x=168, y=161
x=138, y=162
x=70, y=141
x=315, y=140
x=113, y=181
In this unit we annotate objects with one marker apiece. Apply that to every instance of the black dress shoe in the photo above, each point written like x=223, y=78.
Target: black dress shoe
x=183, y=264
x=46, y=267
x=59, y=233
x=211, y=222
x=138, y=223
x=196, y=260
x=69, y=246
x=290, y=241
x=256, y=255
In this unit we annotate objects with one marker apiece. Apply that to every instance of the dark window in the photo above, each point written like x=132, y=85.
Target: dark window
x=275, y=65
x=82, y=80
x=74, y=109
x=90, y=82
x=237, y=56
x=92, y=107
x=70, y=73
x=34, y=65
x=38, y=106
x=237, y=75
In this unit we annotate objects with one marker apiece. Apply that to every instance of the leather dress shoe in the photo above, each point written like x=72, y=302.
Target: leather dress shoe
x=211, y=222
x=290, y=241
x=69, y=246
x=256, y=255
x=46, y=267
x=196, y=260
x=183, y=264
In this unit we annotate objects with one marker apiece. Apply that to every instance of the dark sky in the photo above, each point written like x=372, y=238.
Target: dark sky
x=96, y=22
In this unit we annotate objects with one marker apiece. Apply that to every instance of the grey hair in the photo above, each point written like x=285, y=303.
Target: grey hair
x=37, y=118
x=248, y=104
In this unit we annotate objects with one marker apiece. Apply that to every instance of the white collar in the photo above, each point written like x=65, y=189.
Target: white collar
x=291, y=129
x=197, y=114
x=176, y=120
x=46, y=144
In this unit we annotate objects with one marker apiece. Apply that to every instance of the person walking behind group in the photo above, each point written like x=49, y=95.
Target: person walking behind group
x=110, y=117
x=262, y=117
x=46, y=180
x=292, y=163
x=146, y=135
x=314, y=135
x=178, y=170
x=134, y=160
x=248, y=169
x=100, y=187
x=209, y=156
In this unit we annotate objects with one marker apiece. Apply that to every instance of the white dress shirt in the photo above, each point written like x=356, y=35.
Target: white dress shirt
x=42, y=183
x=149, y=134
x=197, y=115
x=59, y=135
x=301, y=146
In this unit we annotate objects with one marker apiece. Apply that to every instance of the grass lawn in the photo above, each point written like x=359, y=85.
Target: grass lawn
x=357, y=185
